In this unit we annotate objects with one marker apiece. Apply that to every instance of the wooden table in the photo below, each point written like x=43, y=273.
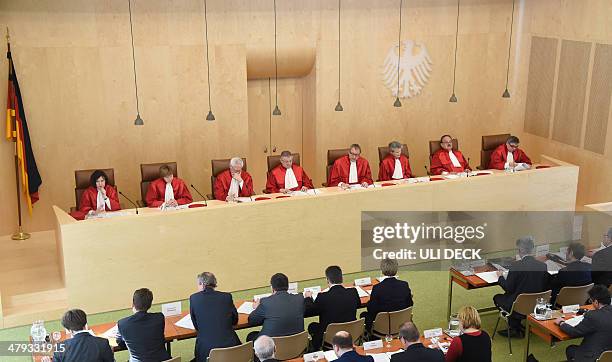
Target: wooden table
x=547, y=330
x=245, y=243
x=469, y=283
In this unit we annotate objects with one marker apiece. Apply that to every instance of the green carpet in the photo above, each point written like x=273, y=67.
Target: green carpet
x=430, y=290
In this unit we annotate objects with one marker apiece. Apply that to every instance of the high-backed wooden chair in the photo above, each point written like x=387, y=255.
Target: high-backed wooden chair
x=573, y=295
x=489, y=144
x=81, y=182
x=332, y=156
x=150, y=172
x=388, y=323
x=274, y=160
x=218, y=166
x=383, y=151
x=434, y=146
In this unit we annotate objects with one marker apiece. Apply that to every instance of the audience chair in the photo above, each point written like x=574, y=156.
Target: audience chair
x=218, y=166
x=81, y=181
x=388, y=323
x=489, y=144
x=241, y=353
x=290, y=347
x=524, y=304
x=150, y=172
x=383, y=151
x=332, y=156
x=355, y=328
x=605, y=357
x=573, y=295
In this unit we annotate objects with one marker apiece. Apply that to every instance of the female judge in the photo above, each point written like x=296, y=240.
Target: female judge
x=99, y=196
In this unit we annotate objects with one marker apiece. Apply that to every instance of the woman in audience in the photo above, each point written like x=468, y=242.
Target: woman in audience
x=99, y=196
x=474, y=345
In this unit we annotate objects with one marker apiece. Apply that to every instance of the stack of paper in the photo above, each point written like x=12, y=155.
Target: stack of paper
x=553, y=268
x=111, y=333
x=243, y=199
x=246, y=308
x=489, y=277
x=575, y=321
x=185, y=322
x=260, y=296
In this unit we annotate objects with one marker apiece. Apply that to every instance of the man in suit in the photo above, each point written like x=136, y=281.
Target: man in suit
x=83, y=346
x=213, y=315
x=143, y=333
x=595, y=328
x=576, y=273
x=343, y=348
x=337, y=305
x=526, y=275
x=602, y=261
x=265, y=349
x=414, y=350
x=281, y=314
x=390, y=295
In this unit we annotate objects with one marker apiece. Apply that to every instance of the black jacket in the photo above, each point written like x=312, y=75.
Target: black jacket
x=418, y=352
x=84, y=347
x=143, y=335
x=281, y=314
x=213, y=315
x=596, y=328
x=574, y=274
x=389, y=295
x=527, y=275
x=602, y=267
x=337, y=305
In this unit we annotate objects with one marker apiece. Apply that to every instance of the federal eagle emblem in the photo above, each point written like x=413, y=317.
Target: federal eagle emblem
x=414, y=69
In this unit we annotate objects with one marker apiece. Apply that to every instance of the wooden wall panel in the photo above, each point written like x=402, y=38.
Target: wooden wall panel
x=571, y=92
x=599, y=99
x=542, y=61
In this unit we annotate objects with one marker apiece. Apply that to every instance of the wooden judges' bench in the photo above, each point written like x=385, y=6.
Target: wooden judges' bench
x=104, y=260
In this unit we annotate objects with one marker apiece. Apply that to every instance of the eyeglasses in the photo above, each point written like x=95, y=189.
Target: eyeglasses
x=355, y=154
x=513, y=145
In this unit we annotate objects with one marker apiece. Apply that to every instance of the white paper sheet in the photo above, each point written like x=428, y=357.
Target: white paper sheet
x=185, y=322
x=380, y=357
x=111, y=333
x=575, y=321
x=489, y=277
x=260, y=296
x=552, y=267
x=315, y=291
x=362, y=293
x=246, y=308
x=243, y=199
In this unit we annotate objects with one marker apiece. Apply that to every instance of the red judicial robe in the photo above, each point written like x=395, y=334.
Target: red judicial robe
x=276, y=179
x=500, y=155
x=157, y=192
x=89, y=199
x=224, y=181
x=440, y=162
x=341, y=168
x=387, y=167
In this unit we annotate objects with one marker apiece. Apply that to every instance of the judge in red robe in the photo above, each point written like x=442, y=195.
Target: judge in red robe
x=350, y=169
x=99, y=196
x=287, y=176
x=233, y=182
x=509, y=156
x=448, y=160
x=167, y=190
x=395, y=166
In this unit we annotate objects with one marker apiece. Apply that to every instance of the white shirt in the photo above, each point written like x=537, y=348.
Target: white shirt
x=102, y=201
x=353, y=173
x=509, y=160
x=235, y=187
x=290, y=180
x=454, y=159
x=397, y=172
x=169, y=192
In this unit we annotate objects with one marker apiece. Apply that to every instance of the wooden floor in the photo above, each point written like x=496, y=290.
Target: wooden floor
x=30, y=283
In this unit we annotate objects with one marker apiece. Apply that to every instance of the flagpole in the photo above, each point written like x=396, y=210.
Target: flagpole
x=20, y=234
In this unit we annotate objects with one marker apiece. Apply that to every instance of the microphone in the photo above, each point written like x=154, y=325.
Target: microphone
x=468, y=165
x=199, y=193
x=131, y=202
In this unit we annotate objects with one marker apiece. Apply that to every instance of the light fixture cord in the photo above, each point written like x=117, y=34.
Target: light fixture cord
x=339, y=46
x=456, y=43
x=510, y=45
x=275, y=58
x=399, y=48
x=207, y=59
x=133, y=56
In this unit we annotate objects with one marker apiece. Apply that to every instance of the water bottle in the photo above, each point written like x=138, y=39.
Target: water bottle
x=540, y=309
x=454, y=327
x=38, y=331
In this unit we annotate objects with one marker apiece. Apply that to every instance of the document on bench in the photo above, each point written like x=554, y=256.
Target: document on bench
x=362, y=293
x=575, y=321
x=111, y=333
x=246, y=308
x=489, y=277
x=185, y=322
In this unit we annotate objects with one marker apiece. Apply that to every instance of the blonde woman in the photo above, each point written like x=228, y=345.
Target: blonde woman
x=474, y=345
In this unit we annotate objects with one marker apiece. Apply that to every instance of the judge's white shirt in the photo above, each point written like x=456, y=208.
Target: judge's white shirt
x=353, y=173
x=454, y=159
x=397, y=172
x=235, y=187
x=169, y=195
x=290, y=180
x=102, y=201
x=509, y=160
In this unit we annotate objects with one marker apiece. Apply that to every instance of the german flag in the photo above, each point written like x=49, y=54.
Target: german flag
x=17, y=131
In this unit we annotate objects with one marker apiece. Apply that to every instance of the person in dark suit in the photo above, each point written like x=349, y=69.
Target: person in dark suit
x=143, y=333
x=595, y=328
x=342, y=343
x=526, y=275
x=213, y=315
x=337, y=305
x=414, y=350
x=265, y=349
x=83, y=346
x=390, y=295
x=602, y=262
x=281, y=314
x=576, y=273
